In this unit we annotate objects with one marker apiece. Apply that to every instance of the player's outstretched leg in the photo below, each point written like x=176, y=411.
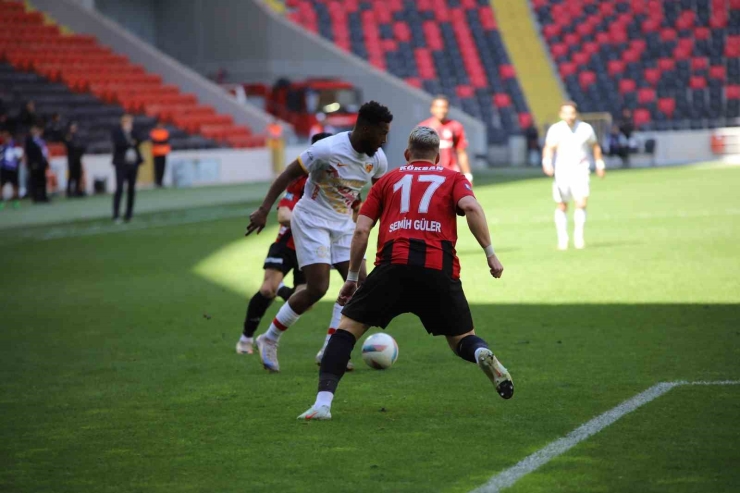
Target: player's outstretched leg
x=333, y=367
x=472, y=348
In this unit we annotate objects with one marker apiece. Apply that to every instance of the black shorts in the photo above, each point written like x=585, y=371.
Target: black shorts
x=433, y=296
x=283, y=259
x=8, y=176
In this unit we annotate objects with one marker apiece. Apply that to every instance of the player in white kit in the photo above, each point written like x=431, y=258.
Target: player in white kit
x=338, y=167
x=573, y=143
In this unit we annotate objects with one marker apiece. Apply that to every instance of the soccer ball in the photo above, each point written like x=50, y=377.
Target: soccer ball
x=379, y=351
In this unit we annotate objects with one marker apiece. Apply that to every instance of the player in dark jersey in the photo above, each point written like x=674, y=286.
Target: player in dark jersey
x=281, y=259
x=417, y=270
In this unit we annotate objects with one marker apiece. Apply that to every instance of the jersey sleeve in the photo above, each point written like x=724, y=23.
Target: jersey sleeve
x=461, y=188
x=461, y=140
x=382, y=165
x=315, y=155
x=551, y=139
x=373, y=205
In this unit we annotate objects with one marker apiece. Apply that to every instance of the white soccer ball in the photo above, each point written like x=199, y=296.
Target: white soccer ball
x=379, y=351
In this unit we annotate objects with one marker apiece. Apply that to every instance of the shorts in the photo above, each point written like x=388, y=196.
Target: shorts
x=566, y=190
x=283, y=259
x=8, y=176
x=318, y=241
x=433, y=296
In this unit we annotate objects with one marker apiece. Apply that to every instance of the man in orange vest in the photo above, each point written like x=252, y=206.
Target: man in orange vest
x=160, y=137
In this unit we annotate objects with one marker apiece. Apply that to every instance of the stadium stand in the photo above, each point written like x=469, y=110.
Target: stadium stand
x=675, y=63
x=62, y=73
x=451, y=47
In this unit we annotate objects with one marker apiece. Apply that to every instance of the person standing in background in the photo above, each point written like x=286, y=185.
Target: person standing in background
x=453, y=144
x=54, y=131
x=10, y=164
x=75, y=150
x=126, y=159
x=37, y=160
x=160, y=138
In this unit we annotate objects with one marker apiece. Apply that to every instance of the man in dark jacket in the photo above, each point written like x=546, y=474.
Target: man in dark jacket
x=37, y=160
x=126, y=159
x=75, y=150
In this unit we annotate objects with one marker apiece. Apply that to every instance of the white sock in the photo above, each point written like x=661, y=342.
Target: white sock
x=245, y=339
x=561, y=224
x=324, y=398
x=336, y=315
x=579, y=218
x=478, y=351
x=283, y=320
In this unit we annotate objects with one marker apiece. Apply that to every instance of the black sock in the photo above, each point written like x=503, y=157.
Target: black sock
x=258, y=305
x=467, y=346
x=285, y=292
x=334, y=362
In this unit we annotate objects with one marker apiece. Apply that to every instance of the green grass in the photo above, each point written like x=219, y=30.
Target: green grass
x=113, y=379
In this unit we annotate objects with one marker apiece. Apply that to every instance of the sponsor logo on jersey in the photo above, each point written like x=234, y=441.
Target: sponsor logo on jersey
x=368, y=167
x=340, y=165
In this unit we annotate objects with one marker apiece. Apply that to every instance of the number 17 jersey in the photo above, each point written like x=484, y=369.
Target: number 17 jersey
x=417, y=208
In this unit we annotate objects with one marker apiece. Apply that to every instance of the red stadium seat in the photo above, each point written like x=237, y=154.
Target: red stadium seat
x=641, y=116
x=606, y=8
x=668, y=34
x=551, y=30
x=414, y=82
x=697, y=82
x=603, y=38
x=615, y=67
x=465, y=92
x=702, y=33
x=626, y=85
x=652, y=75
x=686, y=20
x=591, y=48
x=646, y=95
x=665, y=64
x=525, y=120
x=699, y=63
x=559, y=49
x=507, y=71
x=501, y=100
x=567, y=68
x=631, y=56
x=650, y=25
x=581, y=58
x=586, y=78
x=717, y=72
x=571, y=39
x=732, y=92
x=667, y=106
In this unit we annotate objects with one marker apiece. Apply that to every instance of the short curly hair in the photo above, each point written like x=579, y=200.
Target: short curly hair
x=374, y=113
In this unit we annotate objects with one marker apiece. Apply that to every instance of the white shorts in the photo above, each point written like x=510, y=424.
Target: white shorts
x=565, y=190
x=318, y=241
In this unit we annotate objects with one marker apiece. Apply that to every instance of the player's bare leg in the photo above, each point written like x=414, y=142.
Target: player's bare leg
x=472, y=348
x=317, y=283
x=256, y=309
x=561, y=225
x=579, y=220
x=342, y=268
x=333, y=366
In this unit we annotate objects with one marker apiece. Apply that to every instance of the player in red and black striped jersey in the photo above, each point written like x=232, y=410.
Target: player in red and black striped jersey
x=417, y=270
x=281, y=259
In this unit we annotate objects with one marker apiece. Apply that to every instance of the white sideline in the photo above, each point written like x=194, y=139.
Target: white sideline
x=507, y=478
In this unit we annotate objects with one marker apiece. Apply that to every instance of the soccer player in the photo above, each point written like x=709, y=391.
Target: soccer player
x=281, y=259
x=11, y=158
x=338, y=168
x=573, y=142
x=453, y=144
x=417, y=268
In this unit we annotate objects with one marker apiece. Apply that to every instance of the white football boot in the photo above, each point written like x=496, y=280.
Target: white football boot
x=578, y=240
x=563, y=243
x=268, y=353
x=245, y=347
x=321, y=413
x=496, y=373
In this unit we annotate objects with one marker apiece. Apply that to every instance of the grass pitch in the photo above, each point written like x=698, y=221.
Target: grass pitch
x=118, y=371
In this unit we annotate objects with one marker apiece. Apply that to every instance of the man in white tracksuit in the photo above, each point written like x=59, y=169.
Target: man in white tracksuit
x=569, y=146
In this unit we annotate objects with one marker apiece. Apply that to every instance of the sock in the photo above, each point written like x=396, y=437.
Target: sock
x=561, y=224
x=468, y=348
x=334, y=362
x=256, y=309
x=579, y=218
x=324, y=399
x=285, y=318
x=245, y=339
x=285, y=292
x=336, y=315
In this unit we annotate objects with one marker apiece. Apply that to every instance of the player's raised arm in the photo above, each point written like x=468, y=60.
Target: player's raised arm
x=258, y=218
x=479, y=227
